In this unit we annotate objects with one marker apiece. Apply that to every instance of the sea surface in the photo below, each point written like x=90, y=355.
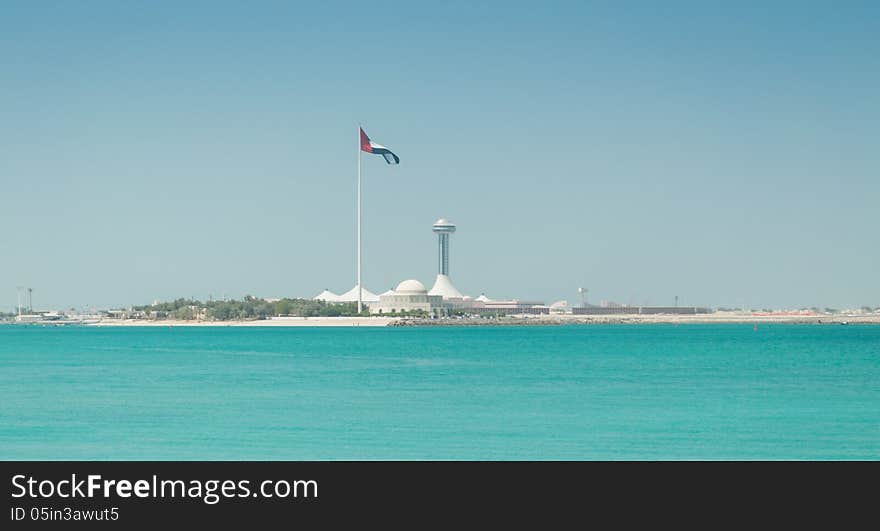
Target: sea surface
x=486, y=393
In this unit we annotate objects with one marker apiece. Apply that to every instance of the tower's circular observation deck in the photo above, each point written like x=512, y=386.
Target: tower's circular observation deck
x=444, y=225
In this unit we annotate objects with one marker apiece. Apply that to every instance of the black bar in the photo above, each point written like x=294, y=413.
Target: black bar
x=420, y=494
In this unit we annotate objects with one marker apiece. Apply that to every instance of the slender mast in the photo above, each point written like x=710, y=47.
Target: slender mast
x=360, y=299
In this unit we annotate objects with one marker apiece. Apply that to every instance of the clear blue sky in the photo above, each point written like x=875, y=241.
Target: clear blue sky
x=725, y=152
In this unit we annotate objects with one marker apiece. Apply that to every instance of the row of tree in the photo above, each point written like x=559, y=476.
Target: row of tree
x=248, y=308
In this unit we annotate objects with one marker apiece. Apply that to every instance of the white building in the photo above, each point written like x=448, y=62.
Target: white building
x=560, y=307
x=408, y=296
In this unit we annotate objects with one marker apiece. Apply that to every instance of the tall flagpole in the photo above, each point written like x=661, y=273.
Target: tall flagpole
x=360, y=299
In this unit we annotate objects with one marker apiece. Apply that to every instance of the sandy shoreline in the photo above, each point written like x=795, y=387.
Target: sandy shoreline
x=274, y=322
x=718, y=317
x=745, y=319
x=728, y=317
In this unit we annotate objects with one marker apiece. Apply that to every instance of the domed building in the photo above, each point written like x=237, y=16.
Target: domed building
x=409, y=295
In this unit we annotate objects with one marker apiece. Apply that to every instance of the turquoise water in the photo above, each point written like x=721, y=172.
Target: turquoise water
x=570, y=392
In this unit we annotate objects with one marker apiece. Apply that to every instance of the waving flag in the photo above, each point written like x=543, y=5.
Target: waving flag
x=371, y=147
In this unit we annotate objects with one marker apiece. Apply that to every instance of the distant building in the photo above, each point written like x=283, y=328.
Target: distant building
x=509, y=307
x=443, y=297
x=560, y=307
x=125, y=314
x=639, y=310
x=409, y=295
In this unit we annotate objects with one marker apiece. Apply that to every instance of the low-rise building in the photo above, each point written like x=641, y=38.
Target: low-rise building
x=639, y=310
x=509, y=307
x=408, y=296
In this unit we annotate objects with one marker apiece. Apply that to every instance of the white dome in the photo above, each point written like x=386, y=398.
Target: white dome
x=410, y=286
